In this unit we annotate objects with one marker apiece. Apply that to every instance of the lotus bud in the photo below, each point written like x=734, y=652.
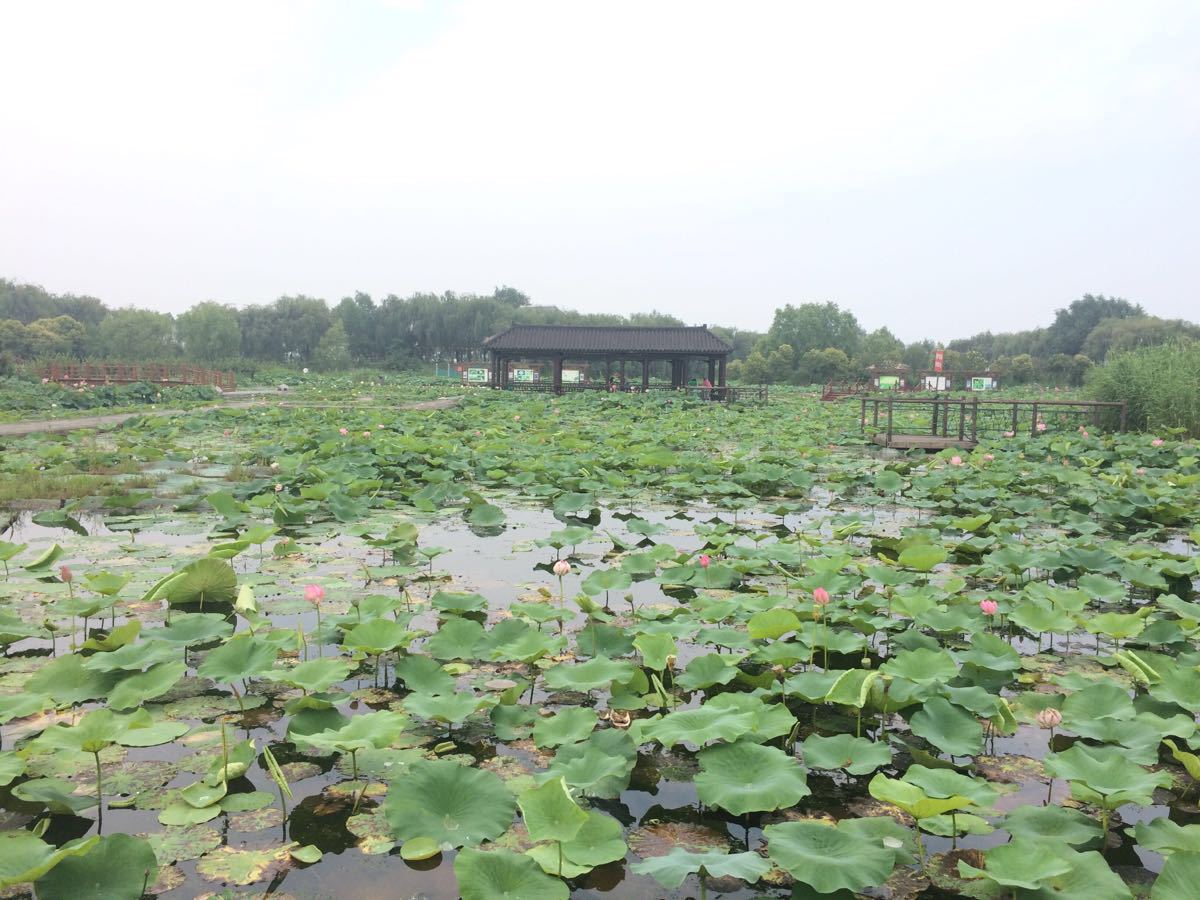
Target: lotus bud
x=562, y=568
x=988, y=607
x=1049, y=717
x=65, y=575
x=314, y=593
x=865, y=662
x=671, y=662
x=705, y=560
x=820, y=596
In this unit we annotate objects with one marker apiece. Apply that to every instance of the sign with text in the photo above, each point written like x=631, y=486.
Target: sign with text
x=939, y=356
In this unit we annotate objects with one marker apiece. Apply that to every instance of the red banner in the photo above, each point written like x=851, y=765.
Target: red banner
x=938, y=356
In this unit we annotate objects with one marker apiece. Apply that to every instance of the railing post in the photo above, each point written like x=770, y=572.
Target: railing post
x=889, y=425
x=1124, y=411
x=1033, y=425
x=974, y=419
x=862, y=417
x=935, y=416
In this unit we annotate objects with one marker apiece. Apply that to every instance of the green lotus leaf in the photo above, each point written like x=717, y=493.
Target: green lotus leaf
x=420, y=848
x=118, y=637
x=117, y=867
x=828, y=858
x=1164, y=836
x=706, y=671
x=912, y=799
x=25, y=857
x=598, y=672
x=922, y=666
x=246, y=802
x=207, y=580
x=948, y=727
x=672, y=868
x=1190, y=761
x=450, y=803
x=456, y=638
x=598, y=841
x=134, y=690
x=133, y=657
x=1046, y=823
x=486, y=515
x=858, y=756
x=565, y=727
x=449, y=708
x=370, y=730
x=55, y=794
x=201, y=794
x=45, y=559
x=314, y=675
x=1178, y=878
x=555, y=863
x=241, y=657
x=942, y=783
x=182, y=813
x=1103, y=775
x=923, y=557
x=488, y=875
x=550, y=813
x=747, y=777
x=11, y=766
x=424, y=675
x=307, y=854
x=655, y=649
x=194, y=628
x=458, y=602
x=1019, y=864
x=602, y=580
x=889, y=482
x=9, y=550
x=378, y=636
x=182, y=844
x=700, y=726
x=598, y=767
x=853, y=688
x=956, y=825
x=771, y=624
x=227, y=865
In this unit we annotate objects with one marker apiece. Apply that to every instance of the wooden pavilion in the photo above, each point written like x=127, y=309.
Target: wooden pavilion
x=613, y=346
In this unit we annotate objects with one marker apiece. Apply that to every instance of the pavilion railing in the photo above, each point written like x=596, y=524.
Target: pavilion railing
x=969, y=417
x=166, y=374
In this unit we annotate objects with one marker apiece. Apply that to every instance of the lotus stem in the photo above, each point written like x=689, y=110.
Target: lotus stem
x=99, y=795
x=224, y=755
x=560, y=858
x=241, y=706
x=354, y=775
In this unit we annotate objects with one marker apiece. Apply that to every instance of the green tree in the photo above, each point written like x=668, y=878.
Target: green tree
x=136, y=335
x=1119, y=335
x=781, y=362
x=210, y=332
x=57, y=336
x=1072, y=325
x=819, y=366
x=333, y=351
x=815, y=326
x=358, y=316
x=755, y=369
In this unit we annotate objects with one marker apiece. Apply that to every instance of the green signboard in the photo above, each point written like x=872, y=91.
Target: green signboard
x=523, y=375
x=981, y=384
x=889, y=382
x=477, y=376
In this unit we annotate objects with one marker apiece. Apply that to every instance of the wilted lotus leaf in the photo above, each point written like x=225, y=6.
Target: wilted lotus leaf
x=226, y=864
x=179, y=844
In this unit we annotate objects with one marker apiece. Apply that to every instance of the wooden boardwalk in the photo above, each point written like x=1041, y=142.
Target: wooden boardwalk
x=921, y=441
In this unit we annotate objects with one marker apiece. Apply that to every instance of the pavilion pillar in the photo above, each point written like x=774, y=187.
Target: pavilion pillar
x=712, y=370
x=674, y=373
x=622, y=374
x=721, y=372
x=607, y=372
x=504, y=371
x=645, y=375
x=558, y=369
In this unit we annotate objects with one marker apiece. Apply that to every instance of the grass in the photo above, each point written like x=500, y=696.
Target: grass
x=48, y=486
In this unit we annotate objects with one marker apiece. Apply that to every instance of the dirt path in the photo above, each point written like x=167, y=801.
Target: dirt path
x=53, y=426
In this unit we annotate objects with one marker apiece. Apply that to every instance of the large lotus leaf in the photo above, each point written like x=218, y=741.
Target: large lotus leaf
x=496, y=874
x=1102, y=700
x=887, y=831
x=182, y=813
x=378, y=636
x=458, y=602
x=424, y=675
x=456, y=638
x=133, y=657
x=9, y=550
x=66, y=680
x=700, y=726
x=26, y=857
x=106, y=583
x=1180, y=686
x=201, y=794
x=118, y=867
x=747, y=777
x=555, y=863
x=600, y=766
x=1178, y=879
x=671, y=869
x=11, y=766
x=375, y=729
x=771, y=624
x=599, y=840
x=912, y=799
x=244, y=656
x=549, y=812
x=514, y=640
x=207, y=580
x=315, y=675
x=194, y=628
x=45, y=559
x=1046, y=823
x=598, y=672
x=231, y=866
x=948, y=727
x=829, y=858
x=1021, y=863
x=705, y=671
x=655, y=649
x=922, y=666
x=858, y=756
x=115, y=639
x=55, y=794
x=602, y=580
x=1104, y=775
x=768, y=720
x=454, y=805
x=565, y=727
x=853, y=688
x=991, y=652
x=941, y=783
x=134, y=690
x=1164, y=836
x=449, y=708
x=93, y=732
x=923, y=557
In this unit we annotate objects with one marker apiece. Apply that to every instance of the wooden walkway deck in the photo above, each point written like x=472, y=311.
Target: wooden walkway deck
x=921, y=441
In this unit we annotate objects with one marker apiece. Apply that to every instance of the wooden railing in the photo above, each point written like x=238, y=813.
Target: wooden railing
x=165, y=374
x=969, y=417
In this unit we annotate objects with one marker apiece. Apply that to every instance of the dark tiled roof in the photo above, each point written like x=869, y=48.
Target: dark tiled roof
x=606, y=339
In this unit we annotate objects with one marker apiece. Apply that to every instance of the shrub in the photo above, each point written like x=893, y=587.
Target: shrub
x=1161, y=386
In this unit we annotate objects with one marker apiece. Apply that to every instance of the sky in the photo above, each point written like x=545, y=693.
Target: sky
x=939, y=168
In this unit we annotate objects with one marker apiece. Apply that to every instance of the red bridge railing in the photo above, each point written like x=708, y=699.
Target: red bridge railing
x=166, y=374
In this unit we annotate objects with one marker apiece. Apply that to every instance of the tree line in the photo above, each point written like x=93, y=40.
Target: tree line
x=806, y=343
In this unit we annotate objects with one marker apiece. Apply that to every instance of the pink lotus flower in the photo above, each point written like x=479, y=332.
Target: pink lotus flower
x=988, y=457
x=278, y=488
x=705, y=560
x=366, y=434
x=1009, y=434
x=989, y=607
x=1083, y=432
x=516, y=418
x=820, y=596
x=956, y=460
x=1049, y=717
x=65, y=574
x=1041, y=426
x=561, y=568
x=1157, y=442
x=228, y=432
x=314, y=593
x=343, y=431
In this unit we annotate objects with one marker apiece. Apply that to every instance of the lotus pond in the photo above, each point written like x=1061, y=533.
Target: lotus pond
x=599, y=646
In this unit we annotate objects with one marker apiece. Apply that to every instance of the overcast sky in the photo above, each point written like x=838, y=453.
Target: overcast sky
x=939, y=168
